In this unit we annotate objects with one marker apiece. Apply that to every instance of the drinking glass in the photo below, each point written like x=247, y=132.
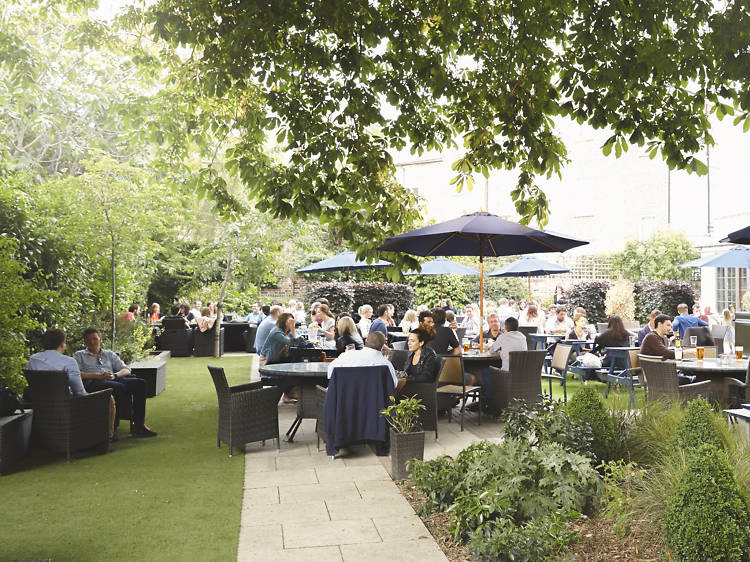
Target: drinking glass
x=738, y=349
x=699, y=353
x=693, y=341
x=466, y=347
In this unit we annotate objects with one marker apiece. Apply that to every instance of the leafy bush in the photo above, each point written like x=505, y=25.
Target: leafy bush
x=239, y=301
x=709, y=516
x=403, y=416
x=19, y=299
x=133, y=340
x=546, y=422
x=619, y=300
x=590, y=295
x=664, y=295
x=587, y=407
x=399, y=295
x=496, y=288
x=427, y=289
x=539, y=539
x=339, y=295
x=697, y=426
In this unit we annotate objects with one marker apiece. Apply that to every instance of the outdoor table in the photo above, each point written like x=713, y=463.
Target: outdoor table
x=618, y=355
x=712, y=370
x=306, y=376
x=481, y=360
x=397, y=336
x=540, y=340
x=234, y=339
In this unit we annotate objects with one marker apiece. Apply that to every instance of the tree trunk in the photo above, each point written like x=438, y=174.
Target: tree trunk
x=114, y=294
x=219, y=304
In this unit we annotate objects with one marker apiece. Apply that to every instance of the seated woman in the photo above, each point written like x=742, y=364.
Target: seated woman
x=614, y=336
x=205, y=321
x=276, y=349
x=324, y=322
x=154, y=314
x=423, y=364
x=579, y=331
x=409, y=321
x=348, y=334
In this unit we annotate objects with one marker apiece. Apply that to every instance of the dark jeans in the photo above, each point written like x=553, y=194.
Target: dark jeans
x=123, y=389
x=282, y=382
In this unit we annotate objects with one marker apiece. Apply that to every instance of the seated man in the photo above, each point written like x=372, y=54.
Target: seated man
x=683, y=320
x=510, y=340
x=369, y=356
x=53, y=359
x=493, y=329
x=101, y=369
x=655, y=343
x=383, y=320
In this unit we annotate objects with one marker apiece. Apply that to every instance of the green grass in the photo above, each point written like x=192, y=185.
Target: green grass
x=618, y=397
x=172, y=497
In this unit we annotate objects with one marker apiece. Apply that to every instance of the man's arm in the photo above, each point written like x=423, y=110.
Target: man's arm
x=702, y=323
x=118, y=367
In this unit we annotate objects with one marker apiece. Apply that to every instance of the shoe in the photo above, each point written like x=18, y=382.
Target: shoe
x=114, y=438
x=143, y=431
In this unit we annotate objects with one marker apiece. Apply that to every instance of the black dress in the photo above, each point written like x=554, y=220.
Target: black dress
x=427, y=368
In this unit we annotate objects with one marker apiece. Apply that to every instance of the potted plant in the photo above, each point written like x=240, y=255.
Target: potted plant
x=407, y=437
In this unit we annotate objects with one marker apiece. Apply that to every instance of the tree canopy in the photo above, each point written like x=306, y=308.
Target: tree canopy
x=656, y=258
x=341, y=83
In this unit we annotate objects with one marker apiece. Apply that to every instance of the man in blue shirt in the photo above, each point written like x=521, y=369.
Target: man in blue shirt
x=684, y=321
x=52, y=359
x=265, y=327
x=101, y=369
x=381, y=322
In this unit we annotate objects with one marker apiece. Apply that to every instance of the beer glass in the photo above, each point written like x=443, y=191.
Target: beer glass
x=699, y=353
x=738, y=349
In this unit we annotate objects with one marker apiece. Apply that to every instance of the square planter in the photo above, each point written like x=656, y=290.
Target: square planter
x=405, y=446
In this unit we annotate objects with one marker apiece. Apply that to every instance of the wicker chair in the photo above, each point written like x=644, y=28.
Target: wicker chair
x=398, y=358
x=247, y=412
x=660, y=378
x=65, y=423
x=176, y=338
x=451, y=383
x=560, y=361
x=523, y=380
x=205, y=341
x=427, y=392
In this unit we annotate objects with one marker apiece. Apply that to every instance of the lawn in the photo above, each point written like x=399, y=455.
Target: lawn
x=173, y=497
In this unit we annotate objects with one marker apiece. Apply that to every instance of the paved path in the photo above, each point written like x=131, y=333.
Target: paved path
x=298, y=504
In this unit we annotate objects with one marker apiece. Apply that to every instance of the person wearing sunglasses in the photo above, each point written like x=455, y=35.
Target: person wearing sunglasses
x=101, y=368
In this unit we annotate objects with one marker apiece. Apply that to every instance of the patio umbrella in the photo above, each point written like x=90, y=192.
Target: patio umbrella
x=444, y=266
x=478, y=234
x=741, y=236
x=737, y=257
x=528, y=266
x=344, y=261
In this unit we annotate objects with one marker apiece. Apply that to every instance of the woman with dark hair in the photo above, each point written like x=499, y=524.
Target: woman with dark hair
x=614, y=336
x=423, y=364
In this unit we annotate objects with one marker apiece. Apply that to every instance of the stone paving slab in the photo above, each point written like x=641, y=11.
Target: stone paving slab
x=298, y=504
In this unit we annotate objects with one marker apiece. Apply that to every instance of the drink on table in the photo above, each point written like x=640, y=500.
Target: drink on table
x=699, y=353
x=738, y=349
x=466, y=347
x=693, y=341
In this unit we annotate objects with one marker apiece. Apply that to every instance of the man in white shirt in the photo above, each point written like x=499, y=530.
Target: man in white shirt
x=370, y=355
x=510, y=340
x=559, y=323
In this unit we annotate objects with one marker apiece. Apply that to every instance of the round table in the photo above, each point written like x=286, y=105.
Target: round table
x=712, y=370
x=542, y=339
x=307, y=376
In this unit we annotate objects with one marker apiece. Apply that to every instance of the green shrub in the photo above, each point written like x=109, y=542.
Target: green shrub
x=375, y=293
x=340, y=295
x=539, y=539
x=697, y=426
x=591, y=295
x=546, y=422
x=664, y=295
x=587, y=407
x=651, y=436
x=708, y=517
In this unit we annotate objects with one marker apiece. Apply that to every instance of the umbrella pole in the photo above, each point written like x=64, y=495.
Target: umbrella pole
x=529, y=278
x=481, y=298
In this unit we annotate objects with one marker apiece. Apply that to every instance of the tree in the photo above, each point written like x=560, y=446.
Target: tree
x=339, y=84
x=657, y=258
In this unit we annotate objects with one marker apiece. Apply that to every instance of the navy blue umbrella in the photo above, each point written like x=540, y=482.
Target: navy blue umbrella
x=341, y=262
x=528, y=266
x=478, y=234
x=444, y=266
x=741, y=236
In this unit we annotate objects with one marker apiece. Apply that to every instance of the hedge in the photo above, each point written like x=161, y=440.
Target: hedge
x=664, y=295
x=348, y=297
x=591, y=296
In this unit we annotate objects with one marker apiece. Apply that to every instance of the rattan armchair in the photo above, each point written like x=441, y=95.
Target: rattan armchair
x=522, y=381
x=66, y=423
x=427, y=393
x=247, y=412
x=398, y=358
x=660, y=378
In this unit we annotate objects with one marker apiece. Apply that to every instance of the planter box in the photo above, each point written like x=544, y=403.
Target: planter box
x=405, y=446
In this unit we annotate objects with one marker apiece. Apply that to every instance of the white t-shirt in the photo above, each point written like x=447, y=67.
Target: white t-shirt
x=507, y=342
x=365, y=357
x=364, y=326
